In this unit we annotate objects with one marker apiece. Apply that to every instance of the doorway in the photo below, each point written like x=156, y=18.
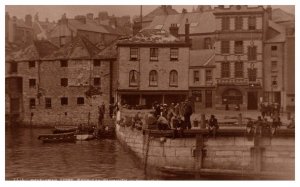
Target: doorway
x=208, y=98
x=252, y=101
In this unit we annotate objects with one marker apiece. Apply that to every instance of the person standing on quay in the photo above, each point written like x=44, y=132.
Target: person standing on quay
x=188, y=111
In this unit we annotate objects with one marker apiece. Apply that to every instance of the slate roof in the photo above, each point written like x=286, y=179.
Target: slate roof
x=199, y=22
x=151, y=36
x=280, y=37
x=88, y=26
x=21, y=23
x=278, y=15
x=167, y=10
x=110, y=52
x=36, y=51
x=202, y=58
x=78, y=48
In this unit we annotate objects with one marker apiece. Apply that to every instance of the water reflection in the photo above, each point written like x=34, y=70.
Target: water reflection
x=28, y=158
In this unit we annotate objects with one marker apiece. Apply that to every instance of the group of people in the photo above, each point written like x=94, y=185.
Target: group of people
x=173, y=116
x=258, y=125
x=269, y=109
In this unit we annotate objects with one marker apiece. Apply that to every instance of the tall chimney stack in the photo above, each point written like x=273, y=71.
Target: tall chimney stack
x=187, y=31
x=269, y=12
x=28, y=20
x=174, y=29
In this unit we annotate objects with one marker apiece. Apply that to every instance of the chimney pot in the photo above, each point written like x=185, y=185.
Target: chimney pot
x=187, y=31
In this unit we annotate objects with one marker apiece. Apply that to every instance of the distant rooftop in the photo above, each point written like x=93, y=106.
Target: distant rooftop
x=151, y=36
x=199, y=22
x=35, y=51
x=78, y=48
x=161, y=10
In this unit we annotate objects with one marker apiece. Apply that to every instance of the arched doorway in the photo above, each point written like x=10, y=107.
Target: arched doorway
x=232, y=96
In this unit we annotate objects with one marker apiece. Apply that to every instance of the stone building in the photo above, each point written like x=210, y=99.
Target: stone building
x=22, y=75
x=81, y=25
x=239, y=55
x=18, y=30
x=202, y=27
x=279, y=60
x=65, y=86
x=162, y=10
x=152, y=66
x=202, y=84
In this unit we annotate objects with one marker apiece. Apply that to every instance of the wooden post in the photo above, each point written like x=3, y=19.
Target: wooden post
x=202, y=122
x=257, y=154
x=199, y=155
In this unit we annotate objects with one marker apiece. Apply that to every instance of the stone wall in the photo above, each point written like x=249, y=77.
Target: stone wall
x=48, y=82
x=223, y=153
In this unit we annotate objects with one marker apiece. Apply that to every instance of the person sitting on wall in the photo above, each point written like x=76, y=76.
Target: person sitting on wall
x=213, y=125
x=275, y=123
x=151, y=120
x=162, y=123
x=137, y=120
x=291, y=123
x=258, y=125
x=250, y=126
x=170, y=113
x=157, y=109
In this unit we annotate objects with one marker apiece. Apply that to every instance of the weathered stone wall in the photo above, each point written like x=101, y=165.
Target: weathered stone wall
x=221, y=153
x=48, y=79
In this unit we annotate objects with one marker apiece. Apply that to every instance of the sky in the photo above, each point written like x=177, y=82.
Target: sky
x=54, y=12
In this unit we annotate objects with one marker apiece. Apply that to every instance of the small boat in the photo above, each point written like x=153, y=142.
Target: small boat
x=57, y=138
x=83, y=137
x=64, y=129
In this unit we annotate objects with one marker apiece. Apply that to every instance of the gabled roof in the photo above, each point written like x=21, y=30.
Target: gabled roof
x=35, y=51
x=199, y=22
x=280, y=37
x=202, y=58
x=151, y=36
x=78, y=48
x=110, y=52
x=278, y=15
x=159, y=11
x=88, y=26
x=21, y=23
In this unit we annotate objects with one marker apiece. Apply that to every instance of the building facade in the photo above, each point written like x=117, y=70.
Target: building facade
x=202, y=84
x=239, y=56
x=65, y=87
x=152, y=66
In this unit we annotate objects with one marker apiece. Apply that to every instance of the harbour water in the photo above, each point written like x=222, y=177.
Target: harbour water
x=27, y=158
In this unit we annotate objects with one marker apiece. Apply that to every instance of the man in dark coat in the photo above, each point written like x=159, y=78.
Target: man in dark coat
x=188, y=111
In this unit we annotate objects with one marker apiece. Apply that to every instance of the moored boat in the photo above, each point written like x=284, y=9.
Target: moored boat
x=57, y=138
x=64, y=129
x=83, y=137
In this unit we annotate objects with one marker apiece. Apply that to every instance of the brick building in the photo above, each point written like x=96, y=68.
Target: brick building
x=152, y=66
